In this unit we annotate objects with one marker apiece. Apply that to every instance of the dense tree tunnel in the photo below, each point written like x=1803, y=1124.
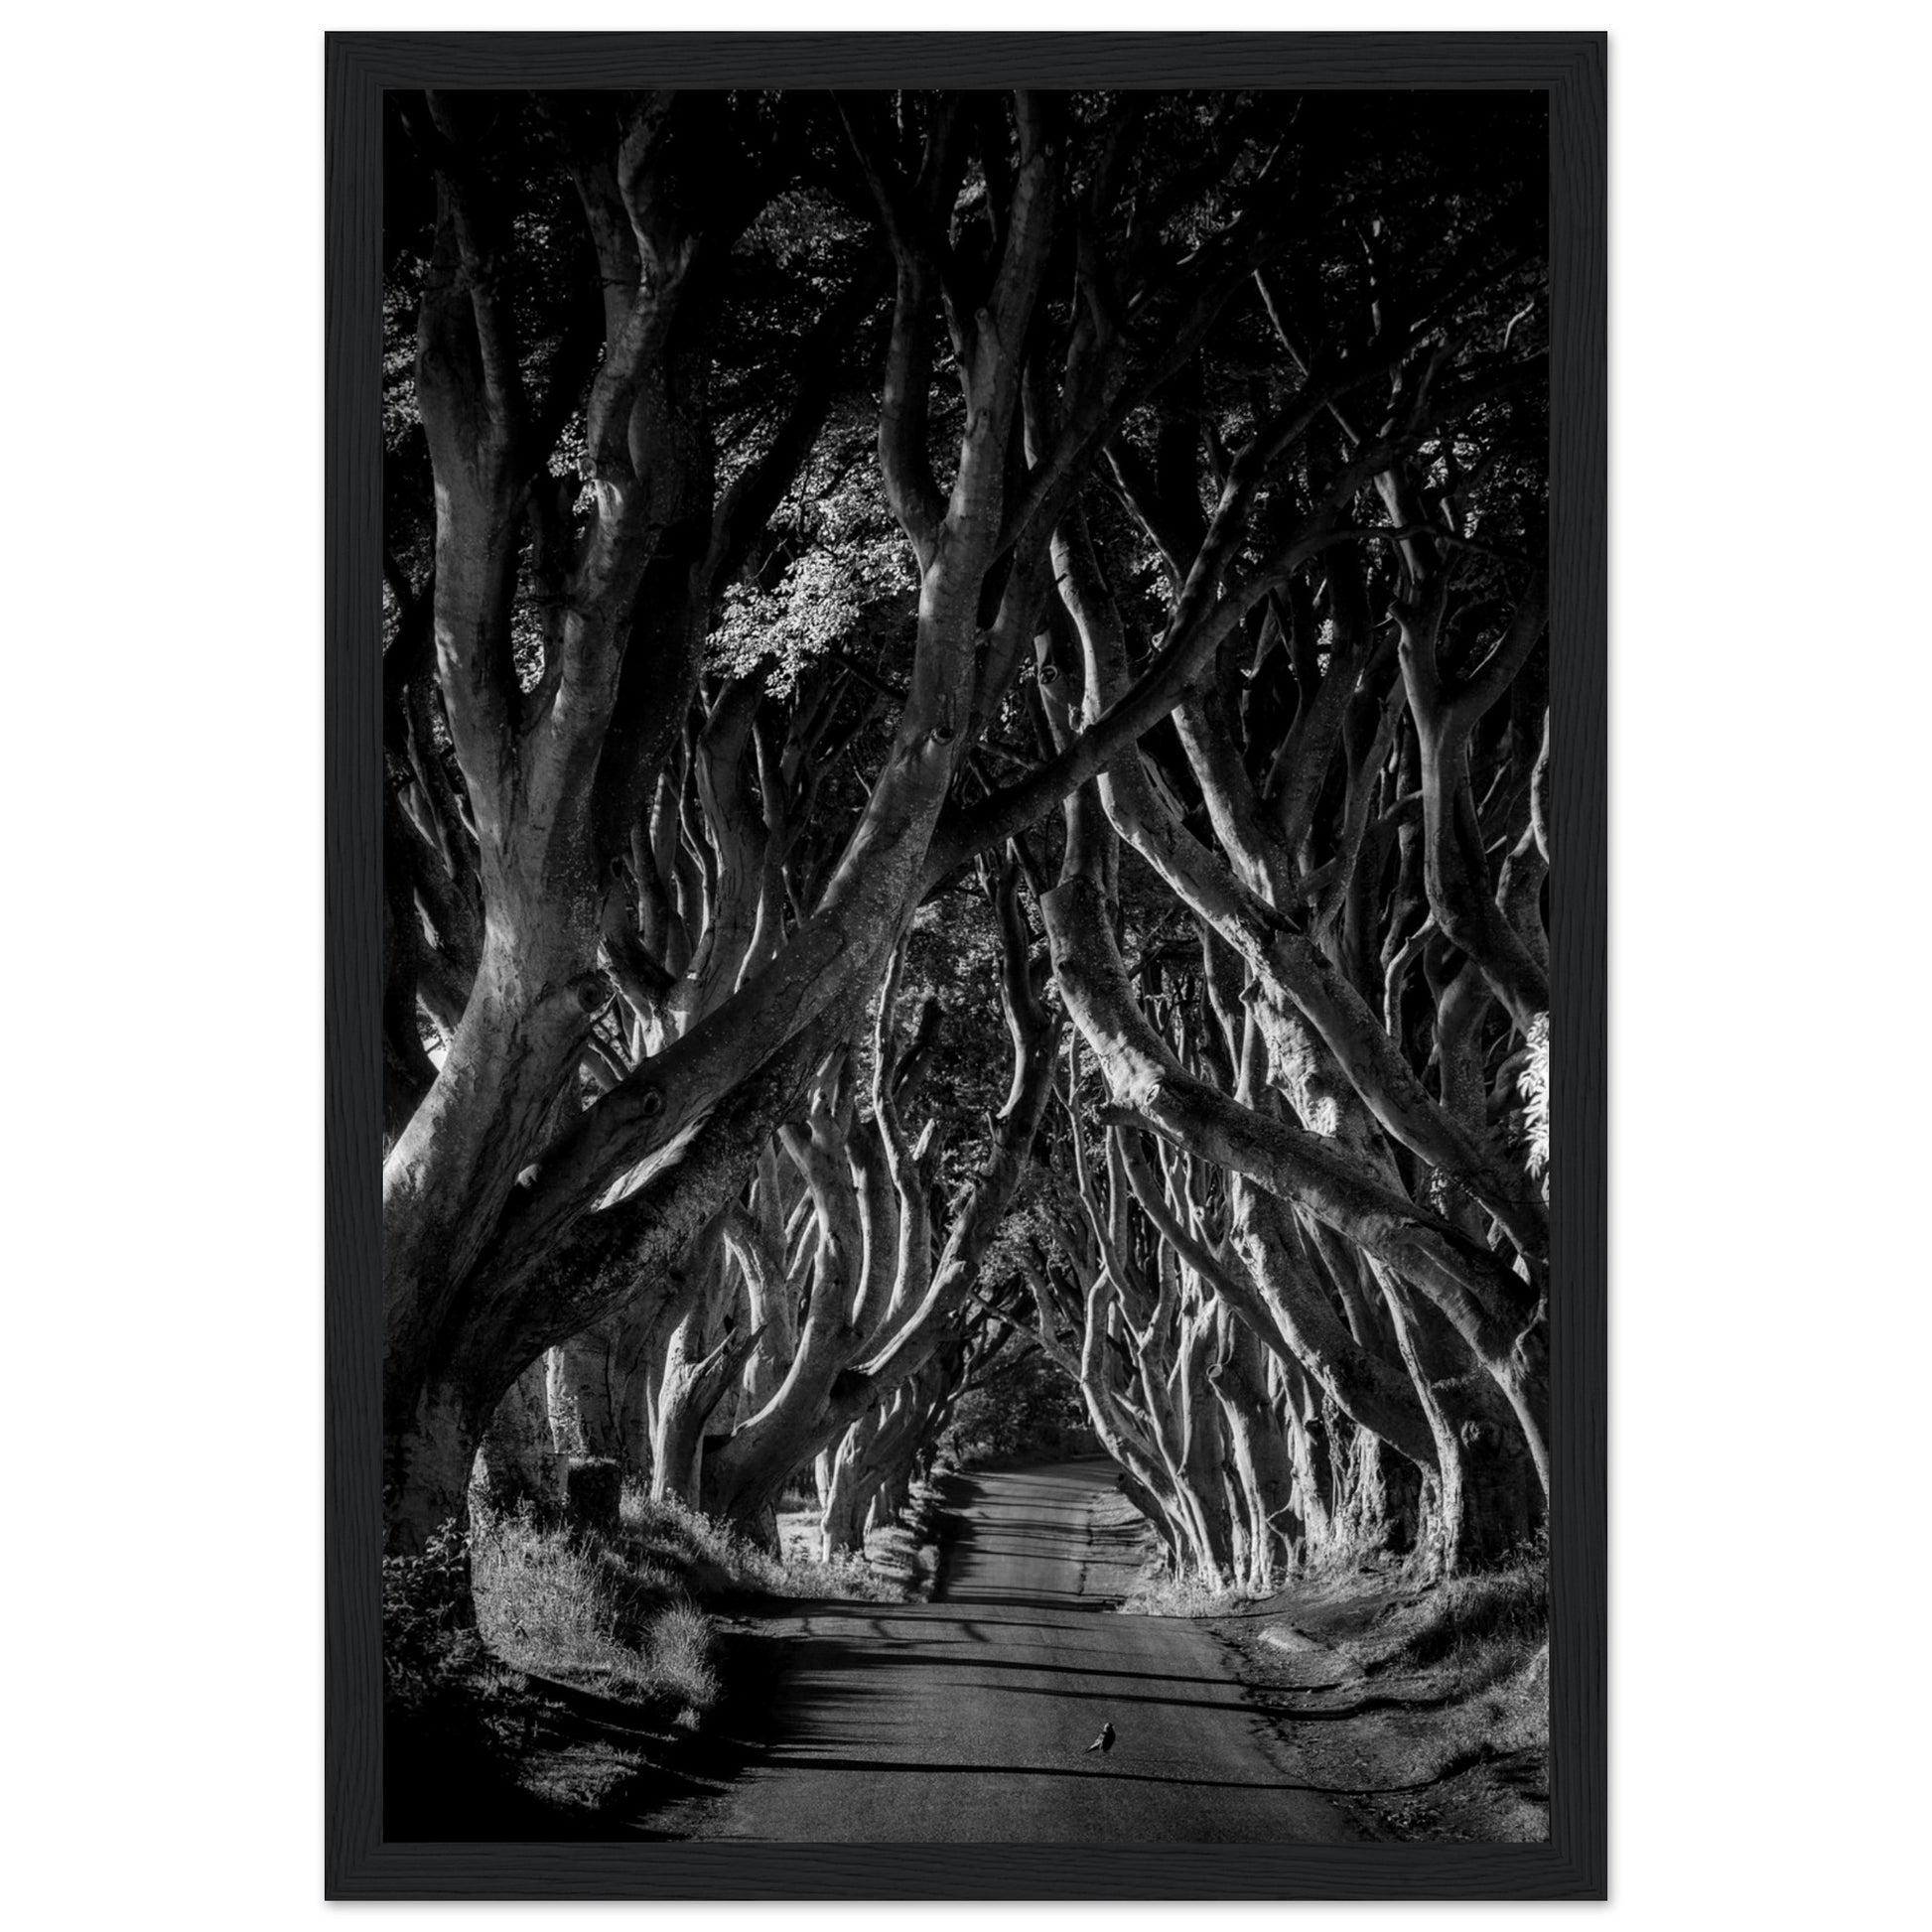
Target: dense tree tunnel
x=967, y=755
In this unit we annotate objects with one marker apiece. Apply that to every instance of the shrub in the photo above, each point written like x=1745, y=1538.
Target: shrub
x=426, y=1635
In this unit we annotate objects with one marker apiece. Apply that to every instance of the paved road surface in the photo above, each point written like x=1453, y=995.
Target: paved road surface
x=964, y=1720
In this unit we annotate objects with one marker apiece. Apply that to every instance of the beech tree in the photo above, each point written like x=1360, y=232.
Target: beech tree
x=1337, y=804
x=1200, y=501
x=828, y=1317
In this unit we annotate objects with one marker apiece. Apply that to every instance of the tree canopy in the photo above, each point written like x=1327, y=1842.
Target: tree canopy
x=967, y=779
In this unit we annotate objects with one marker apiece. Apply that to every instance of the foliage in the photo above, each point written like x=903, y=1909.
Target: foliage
x=426, y=1633
x=617, y=1614
x=1534, y=1085
x=1022, y=1408
x=703, y=676
x=823, y=604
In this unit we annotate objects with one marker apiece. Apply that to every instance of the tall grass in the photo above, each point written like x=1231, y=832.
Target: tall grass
x=724, y=1559
x=591, y=1612
x=1480, y=1646
x=616, y=1612
x=1187, y=1595
x=1482, y=1625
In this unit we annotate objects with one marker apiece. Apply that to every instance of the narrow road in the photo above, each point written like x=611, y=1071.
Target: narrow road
x=966, y=1718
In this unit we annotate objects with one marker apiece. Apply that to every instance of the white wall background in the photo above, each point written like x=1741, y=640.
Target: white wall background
x=160, y=750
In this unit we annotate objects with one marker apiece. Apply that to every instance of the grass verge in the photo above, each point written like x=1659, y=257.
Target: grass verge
x=593, y=1664
x=1183, y=1596
x=602, y=1613
x=1427, y=1702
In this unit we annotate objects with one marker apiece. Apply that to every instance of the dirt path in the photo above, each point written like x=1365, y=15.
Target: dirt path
x=965, y=1719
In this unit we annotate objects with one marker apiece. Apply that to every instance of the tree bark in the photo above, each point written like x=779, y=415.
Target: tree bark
x=520, y=1461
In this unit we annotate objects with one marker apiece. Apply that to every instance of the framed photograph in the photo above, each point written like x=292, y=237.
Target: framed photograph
x=966, y=894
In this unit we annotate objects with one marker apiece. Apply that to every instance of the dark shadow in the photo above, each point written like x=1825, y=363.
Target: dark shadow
x=941, y=1632
x=1341, y=1714
x=1234, y=1704
x=453, y=1773
x=1077, y=1607
x=780, y=1761
x=1067, y=1670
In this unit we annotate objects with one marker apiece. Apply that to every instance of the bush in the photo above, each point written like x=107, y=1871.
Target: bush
x=593, y=1492
x=426, y=1633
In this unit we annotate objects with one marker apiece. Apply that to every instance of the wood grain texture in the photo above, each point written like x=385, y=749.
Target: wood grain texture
x=1578, y=905
x=353, y=945
x=1573, y=1864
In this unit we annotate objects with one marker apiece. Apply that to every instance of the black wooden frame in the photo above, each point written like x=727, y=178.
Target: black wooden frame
x=1572, y=1863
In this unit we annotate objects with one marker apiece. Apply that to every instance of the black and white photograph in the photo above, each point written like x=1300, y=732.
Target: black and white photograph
x=964, y=968
x=965, y=1008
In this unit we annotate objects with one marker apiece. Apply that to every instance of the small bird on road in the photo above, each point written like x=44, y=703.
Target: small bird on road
x=1103, y=1743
